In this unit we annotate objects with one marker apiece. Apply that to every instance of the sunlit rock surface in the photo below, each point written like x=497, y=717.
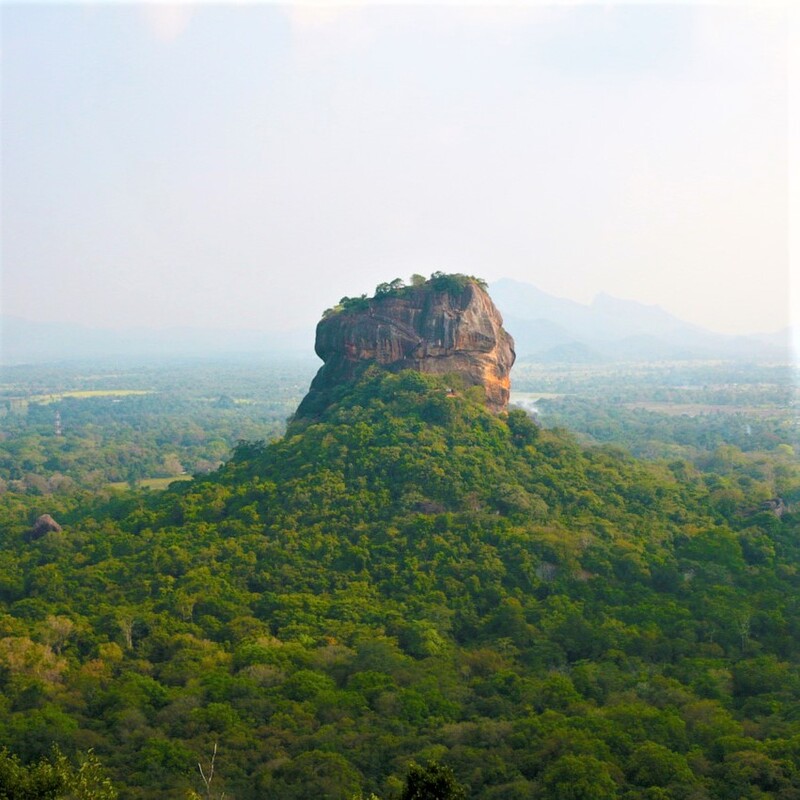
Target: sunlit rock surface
x=431, y=328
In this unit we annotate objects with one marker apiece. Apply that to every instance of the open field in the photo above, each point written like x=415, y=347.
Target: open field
x=150, y=483
x=86, y=393
x=699, y=409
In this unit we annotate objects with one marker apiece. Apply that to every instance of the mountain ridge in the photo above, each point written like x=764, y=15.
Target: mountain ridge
x=619, y=329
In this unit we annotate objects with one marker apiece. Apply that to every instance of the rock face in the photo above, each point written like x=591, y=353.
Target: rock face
x=442, y=326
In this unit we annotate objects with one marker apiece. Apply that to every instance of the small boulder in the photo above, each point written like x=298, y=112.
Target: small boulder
x=776, y=505
x=43, y=525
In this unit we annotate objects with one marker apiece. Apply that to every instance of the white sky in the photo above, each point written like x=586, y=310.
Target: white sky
x=247, y=165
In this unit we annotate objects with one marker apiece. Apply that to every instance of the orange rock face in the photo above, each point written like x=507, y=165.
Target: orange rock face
x=437, y=331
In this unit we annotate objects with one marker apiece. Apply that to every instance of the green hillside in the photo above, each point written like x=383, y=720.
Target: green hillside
x=410, y=578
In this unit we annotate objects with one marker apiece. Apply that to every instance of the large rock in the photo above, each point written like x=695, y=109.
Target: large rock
x=449, y=324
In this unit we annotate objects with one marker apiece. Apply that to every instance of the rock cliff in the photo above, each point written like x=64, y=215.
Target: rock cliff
x=445, y=325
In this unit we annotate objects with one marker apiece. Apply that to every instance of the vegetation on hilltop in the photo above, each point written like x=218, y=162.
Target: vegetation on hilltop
x=410, y=578
x=438, y=281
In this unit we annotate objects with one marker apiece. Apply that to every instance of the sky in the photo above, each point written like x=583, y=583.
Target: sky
x=246, y=165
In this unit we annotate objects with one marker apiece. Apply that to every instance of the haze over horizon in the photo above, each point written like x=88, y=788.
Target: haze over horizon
x=222, y=166
x=310, y=320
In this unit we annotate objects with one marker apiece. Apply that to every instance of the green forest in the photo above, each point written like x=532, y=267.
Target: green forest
x=122, y=425
x=410, y=592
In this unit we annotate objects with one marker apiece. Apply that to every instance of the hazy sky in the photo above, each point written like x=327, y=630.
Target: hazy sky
x=247, y=165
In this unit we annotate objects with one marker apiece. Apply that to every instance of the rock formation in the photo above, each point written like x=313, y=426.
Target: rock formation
x=445, y=325
x=43, y=525
x=776, y=505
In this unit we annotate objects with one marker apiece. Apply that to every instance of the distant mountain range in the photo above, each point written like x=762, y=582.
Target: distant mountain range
x=554, y=329
x=545, y=328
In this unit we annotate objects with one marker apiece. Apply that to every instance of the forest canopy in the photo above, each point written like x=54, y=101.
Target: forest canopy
x=411, y=579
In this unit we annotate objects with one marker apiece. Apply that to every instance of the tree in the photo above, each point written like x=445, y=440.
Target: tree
x=432, y=782
x=318, y=774
x=579, y=778
x=54, y=778
x=207, y=778
x=652, y=764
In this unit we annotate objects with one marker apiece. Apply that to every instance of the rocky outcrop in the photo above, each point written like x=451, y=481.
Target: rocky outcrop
x=446, y=325
x=43, y=525
x=776, y=505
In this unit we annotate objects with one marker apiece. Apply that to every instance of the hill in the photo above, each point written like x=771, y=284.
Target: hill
x=411, y=577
